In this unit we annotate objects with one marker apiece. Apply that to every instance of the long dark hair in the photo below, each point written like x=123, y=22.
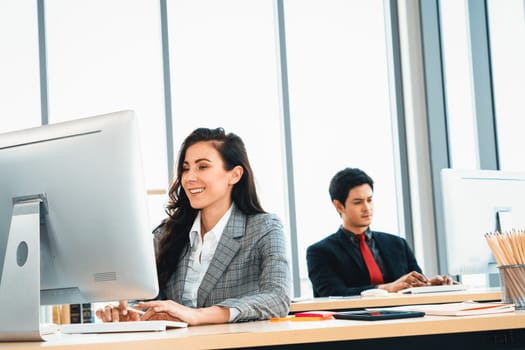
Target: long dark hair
x=175, y=228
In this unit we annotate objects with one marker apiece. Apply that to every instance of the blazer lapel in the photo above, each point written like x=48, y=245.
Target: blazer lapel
x=389, y=256
x=227, y=248
x=180, y=276
x=353, y=253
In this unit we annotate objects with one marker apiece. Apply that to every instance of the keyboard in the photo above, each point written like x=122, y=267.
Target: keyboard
x=433, y=289
x=48, y=328
x=117, y=327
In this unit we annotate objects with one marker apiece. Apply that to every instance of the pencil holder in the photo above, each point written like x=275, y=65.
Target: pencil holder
x=513, y=284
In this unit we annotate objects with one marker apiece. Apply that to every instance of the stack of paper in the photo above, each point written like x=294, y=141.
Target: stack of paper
x=466, y=308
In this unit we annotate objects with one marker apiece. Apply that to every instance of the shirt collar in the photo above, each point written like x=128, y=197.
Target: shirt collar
x=367, y=233
x=195, y=230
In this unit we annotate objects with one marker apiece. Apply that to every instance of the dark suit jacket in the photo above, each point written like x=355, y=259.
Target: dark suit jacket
x=336, y=267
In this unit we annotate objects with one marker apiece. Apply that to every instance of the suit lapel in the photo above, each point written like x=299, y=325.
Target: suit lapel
x=180, y=275
x=389, y=256
x=227, y=248
x=353, y=253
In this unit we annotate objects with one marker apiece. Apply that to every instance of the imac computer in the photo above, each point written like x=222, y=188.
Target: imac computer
x=476, y=202
x=73, y=219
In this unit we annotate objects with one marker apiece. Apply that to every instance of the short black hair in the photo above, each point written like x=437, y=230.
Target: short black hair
x=346, y=179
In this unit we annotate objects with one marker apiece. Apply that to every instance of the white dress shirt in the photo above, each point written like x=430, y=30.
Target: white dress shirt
x=201, y=253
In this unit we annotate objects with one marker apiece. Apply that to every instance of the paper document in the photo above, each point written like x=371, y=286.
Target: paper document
x=466, y=308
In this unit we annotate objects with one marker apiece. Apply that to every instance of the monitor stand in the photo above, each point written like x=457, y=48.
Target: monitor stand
x=504, y=220
x=503, y=225
x=20, y=279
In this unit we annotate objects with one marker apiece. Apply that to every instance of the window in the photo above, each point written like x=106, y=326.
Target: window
x=340, y=111
x=507, y=34
x=223, y=62
x=106, y=56
x=19, y=66
x=457, y=66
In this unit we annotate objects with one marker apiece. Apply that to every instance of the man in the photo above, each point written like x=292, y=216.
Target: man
x=356, y=258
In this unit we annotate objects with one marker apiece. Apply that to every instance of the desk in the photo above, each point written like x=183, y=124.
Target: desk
x=334, y=334
x=357, y=302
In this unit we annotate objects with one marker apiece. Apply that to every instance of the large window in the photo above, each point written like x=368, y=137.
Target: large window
x=105, y=56
x=507, y=37
x=461, y=120
x=224, y=69
x=225, y=72
x=340, y=112
x=502, y=80
x=506, y=22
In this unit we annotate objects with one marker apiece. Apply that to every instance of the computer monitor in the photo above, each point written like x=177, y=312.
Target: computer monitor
x=73, y=219
x=476, y=202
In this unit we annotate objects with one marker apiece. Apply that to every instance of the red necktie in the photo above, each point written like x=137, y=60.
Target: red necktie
x=376, y=277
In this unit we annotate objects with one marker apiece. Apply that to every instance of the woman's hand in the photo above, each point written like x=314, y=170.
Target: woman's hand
x=168, y=310
x=172, y=311
x=118, y=313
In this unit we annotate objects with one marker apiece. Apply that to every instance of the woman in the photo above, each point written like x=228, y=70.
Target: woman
x=220, y=257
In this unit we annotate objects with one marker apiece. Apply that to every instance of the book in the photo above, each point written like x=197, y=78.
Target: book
x=87, y=313
x=466, y=308
x=65, y=316
x=57, y=313
x=75, y=313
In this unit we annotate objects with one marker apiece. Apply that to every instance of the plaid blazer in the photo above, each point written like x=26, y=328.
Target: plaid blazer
x=249, y=270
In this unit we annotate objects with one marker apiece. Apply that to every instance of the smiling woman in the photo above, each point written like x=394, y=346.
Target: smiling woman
x=220, y=256
x=207, y=182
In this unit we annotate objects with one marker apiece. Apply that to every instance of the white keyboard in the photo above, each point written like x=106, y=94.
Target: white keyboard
x=48, y=328
x=115, y=327
x=433, y=289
